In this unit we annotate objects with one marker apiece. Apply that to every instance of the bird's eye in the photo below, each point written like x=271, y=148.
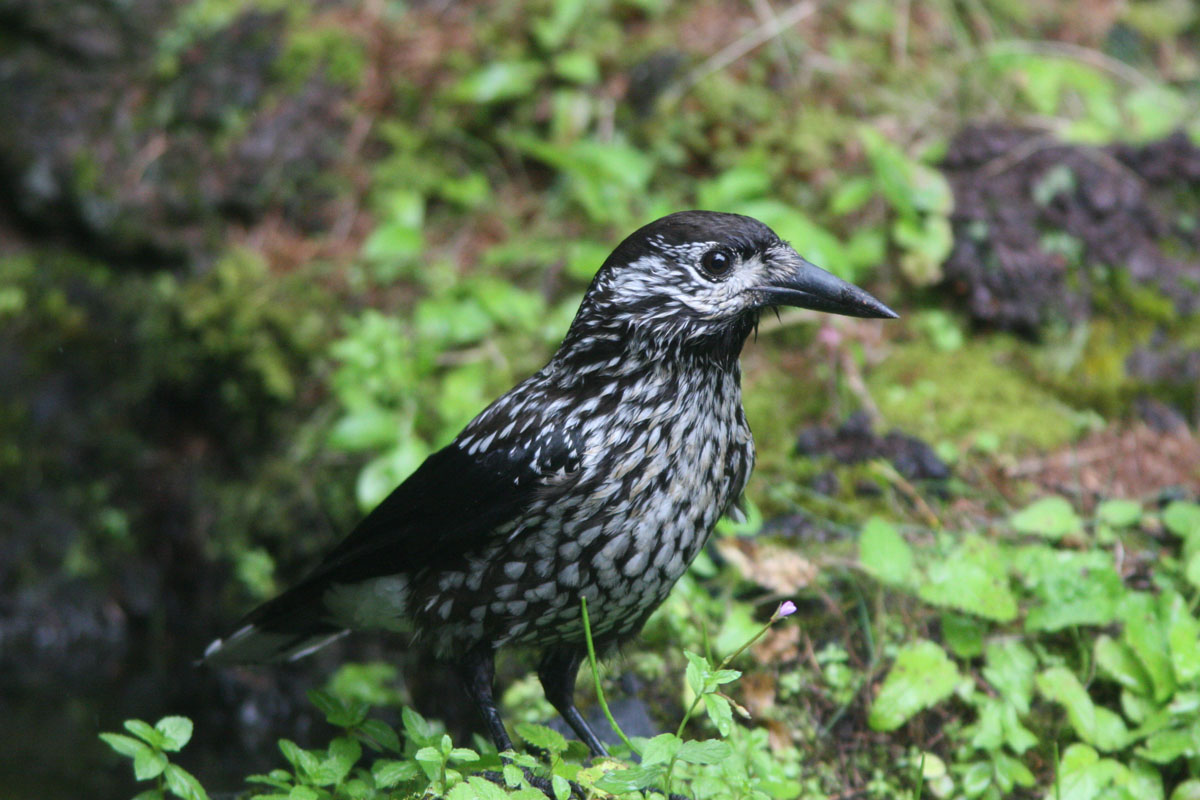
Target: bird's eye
x=717, y=262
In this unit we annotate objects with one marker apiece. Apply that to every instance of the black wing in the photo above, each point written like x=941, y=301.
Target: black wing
x=454, y=503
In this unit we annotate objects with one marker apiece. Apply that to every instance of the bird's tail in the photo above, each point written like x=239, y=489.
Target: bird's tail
x=287, y=628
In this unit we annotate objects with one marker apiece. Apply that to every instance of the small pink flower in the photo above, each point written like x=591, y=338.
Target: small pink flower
x=786, y=609
x=829, y=336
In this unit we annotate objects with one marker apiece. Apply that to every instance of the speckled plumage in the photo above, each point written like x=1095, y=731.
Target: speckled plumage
x=601, y=476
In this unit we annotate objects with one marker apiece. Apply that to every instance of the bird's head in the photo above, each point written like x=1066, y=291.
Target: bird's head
x=702, y=278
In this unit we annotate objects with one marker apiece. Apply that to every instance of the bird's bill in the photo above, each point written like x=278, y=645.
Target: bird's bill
x=796, y=282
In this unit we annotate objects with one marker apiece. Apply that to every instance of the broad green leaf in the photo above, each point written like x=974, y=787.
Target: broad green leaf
x=1071, y=588
x=1096, y=725
x=962, y=634
x=176, y=731
x=1192, y=570
x=380, y=734
x=499, y=80
x=125, y=745
x=884, y=553
x=1051, y=517
x=1182, y=519
x=660, y=749
x=851, y=194
x=708, y=751
x=1166, y=746
x=344, y=753
x=1009, y=669
x=1188, y=790
x=633, y=779
x=149, y=763
x=922, y=676
x=720, y=712
x=547, y=739
x=1116, y=660
x=733, y=186
x=144, y=731
x=1183, y=636
x=697, y=672
x=416, y=727
x=183, y=784
x=560, y=785
x=389, y=772
x=908, y=185
x=970, y=579
x=1082, y=774
x=1144, y=633
x=1119, y=513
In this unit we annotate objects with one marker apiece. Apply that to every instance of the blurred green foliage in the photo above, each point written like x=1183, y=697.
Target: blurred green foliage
x=246, y=407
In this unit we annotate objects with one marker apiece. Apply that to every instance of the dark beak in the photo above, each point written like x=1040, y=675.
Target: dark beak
x=795, y=282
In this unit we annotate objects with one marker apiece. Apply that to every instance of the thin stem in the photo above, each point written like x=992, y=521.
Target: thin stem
x=587, y=635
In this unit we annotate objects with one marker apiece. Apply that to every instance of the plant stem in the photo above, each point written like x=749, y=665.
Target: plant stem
x=587, y=635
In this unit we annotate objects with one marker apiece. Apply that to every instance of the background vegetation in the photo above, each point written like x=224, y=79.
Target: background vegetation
x=260, y=257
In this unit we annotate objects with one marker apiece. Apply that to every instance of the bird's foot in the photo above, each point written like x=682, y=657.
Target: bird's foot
x=541, y=783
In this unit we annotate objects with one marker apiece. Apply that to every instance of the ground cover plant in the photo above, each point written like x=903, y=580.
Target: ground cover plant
x=261, y=258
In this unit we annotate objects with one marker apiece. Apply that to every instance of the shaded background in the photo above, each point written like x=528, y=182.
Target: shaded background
x=257, y=258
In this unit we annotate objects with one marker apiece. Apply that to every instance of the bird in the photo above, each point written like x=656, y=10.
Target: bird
x=601, y=476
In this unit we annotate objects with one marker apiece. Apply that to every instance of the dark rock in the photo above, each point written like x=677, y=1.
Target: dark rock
x=855, y=441
x=1031, y=212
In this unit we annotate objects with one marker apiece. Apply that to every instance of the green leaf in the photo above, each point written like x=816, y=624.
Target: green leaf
x=720, y=712
x=337, y=712
x=1188, y=790
x=125, y=745
x=708, y=751
x=498, y=81
x=660, y=749
x=380, y=735
x=921, y=676
x=633, y=779
x=1051, y=517
x=540, y=736
x=143, y=730
x=1147, y=640
x=486, y=790
x=344, y=753
x=183, y=784
x=1119, y=513
x=561, y=787
x=1010, y=668
x=697, y=672
x=1182, y=519
x=1116, y=660
x=463, y=754
x=962, y=634
x=1183, y=636
x=149, y=763
x=851, y=195
x=303, y=793
x=416, y=727
x=176, y=731
x=970, y=579
x=884, y=553
x=1094, y=724
x=1072, y=588
x=908, y=185
x=1192, y=571
x=389, y=772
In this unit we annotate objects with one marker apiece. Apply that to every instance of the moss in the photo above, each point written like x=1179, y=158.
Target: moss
x=978, y=389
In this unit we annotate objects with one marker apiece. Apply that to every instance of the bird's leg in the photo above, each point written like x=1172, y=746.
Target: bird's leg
x=557, y=673
x=477, y=671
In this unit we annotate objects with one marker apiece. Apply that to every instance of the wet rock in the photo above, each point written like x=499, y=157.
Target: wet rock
x=135, y=134
x=855, y=441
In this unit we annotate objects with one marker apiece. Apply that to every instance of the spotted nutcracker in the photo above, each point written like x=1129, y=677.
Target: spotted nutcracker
x=599, y=477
